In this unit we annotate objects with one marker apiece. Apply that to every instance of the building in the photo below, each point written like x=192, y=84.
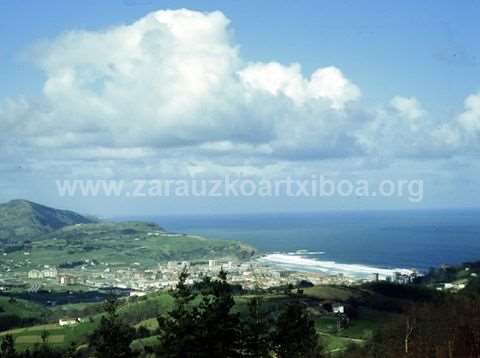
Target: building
x=68, y=321
x=50, y=272
x=66, y=280
x=212, y=264
x=137, y=294
x=338, y=308
x=35, y=274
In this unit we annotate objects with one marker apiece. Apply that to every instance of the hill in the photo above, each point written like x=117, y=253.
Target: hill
x=127, y=243
x=32, y=235
x=24, y=220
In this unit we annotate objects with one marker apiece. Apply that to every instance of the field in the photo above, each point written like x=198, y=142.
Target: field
x=144, y=310
x=58, y=336
x=20, y=308
x=332, y=293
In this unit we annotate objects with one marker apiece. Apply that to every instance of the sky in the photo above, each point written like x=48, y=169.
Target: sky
x=144, y=89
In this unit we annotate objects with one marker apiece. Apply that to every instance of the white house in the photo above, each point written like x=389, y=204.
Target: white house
x=34, y=274
x=338, y=308
x=50, y=272
x=68, y=321
x=137, y=294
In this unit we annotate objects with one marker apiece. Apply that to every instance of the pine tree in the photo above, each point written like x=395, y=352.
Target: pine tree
x=7, y=347
x=295, y=335
x=112, y=338
x=220, y=328
x=256, y=331
x=178, y=329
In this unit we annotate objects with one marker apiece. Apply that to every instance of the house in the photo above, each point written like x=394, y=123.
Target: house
x=66, y=280
x=338, y=308
x=50, y=272
x=137, y=294
x=69, y=321
x=35, y=274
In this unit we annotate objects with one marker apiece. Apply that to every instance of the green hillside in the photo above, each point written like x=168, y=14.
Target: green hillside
x=54, y=237
x=126, y=243
x=21, y=219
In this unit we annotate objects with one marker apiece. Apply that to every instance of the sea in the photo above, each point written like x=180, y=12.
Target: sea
x=352, y=243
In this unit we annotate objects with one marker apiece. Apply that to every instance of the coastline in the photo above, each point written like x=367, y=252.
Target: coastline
x=301, y=262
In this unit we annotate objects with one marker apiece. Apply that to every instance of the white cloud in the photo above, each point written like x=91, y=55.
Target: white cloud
x=469, y=120
x=172, y=88
x=175, y=79
x=326, y=84
x=410, y=108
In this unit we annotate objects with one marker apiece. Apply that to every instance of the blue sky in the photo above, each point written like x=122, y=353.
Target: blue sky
x=407, y=106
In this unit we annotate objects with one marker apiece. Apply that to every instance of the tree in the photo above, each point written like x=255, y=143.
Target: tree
x=208, y=329
x=177, y=329
x=256, y=341
x=7, y=347
x=71, y=351
x=44, y=336
x=219, y=326
x=113, y=337
x=295, y=335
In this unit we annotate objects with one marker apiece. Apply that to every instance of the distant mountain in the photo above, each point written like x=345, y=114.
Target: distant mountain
x=53, y=237
x=22, y=219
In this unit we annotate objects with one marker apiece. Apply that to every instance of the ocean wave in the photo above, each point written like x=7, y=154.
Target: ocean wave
x=301, y=263
x=305, y=252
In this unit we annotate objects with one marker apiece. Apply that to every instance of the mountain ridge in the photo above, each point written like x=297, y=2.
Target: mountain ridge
x=24, y=220
x=51, y=237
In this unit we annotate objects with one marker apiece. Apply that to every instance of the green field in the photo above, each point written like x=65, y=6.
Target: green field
x=58, y=337
x=332, y=293
x=21, y=308
x=123, y=243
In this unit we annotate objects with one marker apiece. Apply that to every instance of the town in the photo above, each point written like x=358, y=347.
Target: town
x=252, y=274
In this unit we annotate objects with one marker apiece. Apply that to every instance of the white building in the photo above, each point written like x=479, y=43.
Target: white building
x=338, y=308
x=50, y=272
x=66, y=280
x=68, y=322
x=35, y=274
x=137, y=294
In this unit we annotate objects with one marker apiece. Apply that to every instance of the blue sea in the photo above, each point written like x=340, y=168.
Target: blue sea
x=390, y=239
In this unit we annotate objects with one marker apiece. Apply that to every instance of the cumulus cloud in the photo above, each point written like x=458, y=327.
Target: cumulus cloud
x=469, y=120
x=175, y=79
x=327, y=84
x=409, y=108
x=173, y=88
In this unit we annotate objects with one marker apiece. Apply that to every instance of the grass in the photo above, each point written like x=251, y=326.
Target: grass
x=139, y=345
x=21, y=308
x=123, y=243
x=151, y=324
x=335, y=344
x=367, y=322
x=58, y=336
x=146, y=308
x=332, y=293
x=29, y=340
